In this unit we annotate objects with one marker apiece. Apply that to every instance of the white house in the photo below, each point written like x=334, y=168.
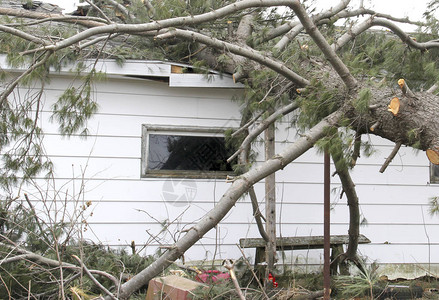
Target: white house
x=114, y=175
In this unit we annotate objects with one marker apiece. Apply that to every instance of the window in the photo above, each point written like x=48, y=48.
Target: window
x=434, y=173
x=184, y=152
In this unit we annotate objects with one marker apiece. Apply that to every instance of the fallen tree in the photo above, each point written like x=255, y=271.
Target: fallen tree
x=299, y=64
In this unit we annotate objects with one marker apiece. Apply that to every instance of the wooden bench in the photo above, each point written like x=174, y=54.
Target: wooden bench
x=301, y=243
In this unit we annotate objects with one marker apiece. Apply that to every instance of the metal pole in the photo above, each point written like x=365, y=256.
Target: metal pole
x=326, y=227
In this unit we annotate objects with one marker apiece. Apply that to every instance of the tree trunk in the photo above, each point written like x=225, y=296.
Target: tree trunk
x=270, y=203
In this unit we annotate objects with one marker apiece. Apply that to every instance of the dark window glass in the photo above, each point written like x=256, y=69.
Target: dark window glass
x=434, y=173
x=191, y=153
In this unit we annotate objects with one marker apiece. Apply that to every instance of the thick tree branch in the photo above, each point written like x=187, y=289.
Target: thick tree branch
x=246, y=52
x=362, y=27
x=321, y=42
x=433, y=88
x=22, y=13
x=162, y=24
x=243, y=32
x=228, y=200
x=354, y=211
x=24, y=35
x=298, y=27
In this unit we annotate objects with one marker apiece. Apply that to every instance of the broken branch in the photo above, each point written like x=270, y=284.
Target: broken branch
x=390, y=157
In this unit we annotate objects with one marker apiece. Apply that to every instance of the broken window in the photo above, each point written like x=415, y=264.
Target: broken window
x=185, y=152
x=434, y=173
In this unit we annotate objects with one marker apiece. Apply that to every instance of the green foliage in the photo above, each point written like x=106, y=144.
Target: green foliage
x=360, y=284
x=75, y=106
x=316, y=102
x=385, y=56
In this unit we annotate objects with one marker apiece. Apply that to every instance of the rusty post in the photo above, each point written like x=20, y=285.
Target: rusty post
x=326, y=227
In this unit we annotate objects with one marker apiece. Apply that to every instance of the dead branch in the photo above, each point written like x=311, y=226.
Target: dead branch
x=93, y=279
x=321, y=42
x=390, y=157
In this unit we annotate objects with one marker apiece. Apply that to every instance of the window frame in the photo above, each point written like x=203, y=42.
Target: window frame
x=433, y=179
x=178, y=130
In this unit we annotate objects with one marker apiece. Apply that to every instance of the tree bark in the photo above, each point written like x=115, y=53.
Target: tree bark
x=270, y=204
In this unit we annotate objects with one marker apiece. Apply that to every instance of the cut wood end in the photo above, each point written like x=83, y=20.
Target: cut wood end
x=298, y=91
x=401, y=83
x=433, y=156
x=394, y=106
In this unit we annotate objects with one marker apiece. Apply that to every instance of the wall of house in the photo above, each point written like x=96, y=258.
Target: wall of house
x=103, y=171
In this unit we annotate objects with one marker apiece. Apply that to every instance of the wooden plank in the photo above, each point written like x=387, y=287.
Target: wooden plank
x=300, y=242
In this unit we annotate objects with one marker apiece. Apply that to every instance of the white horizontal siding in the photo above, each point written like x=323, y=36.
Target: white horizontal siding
x=395, y=203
